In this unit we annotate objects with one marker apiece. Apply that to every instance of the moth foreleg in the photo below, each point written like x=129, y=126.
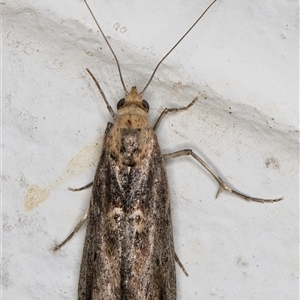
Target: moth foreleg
x=111, y=111
x=222, y=184
x=167, y=110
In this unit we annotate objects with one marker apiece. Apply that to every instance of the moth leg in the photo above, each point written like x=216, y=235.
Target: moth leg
x=180, y=265
x=82, y=188
x=167, y=110
x=76, y=229
x=222, y=184
x=111, y=111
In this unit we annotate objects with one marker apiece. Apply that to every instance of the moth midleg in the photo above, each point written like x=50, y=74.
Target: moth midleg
x=167, y=110
x=222, y=184
x=76, y=229
x=82, y=188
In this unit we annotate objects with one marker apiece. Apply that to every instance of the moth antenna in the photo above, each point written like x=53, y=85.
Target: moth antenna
x=112, y=51
x=142, y=92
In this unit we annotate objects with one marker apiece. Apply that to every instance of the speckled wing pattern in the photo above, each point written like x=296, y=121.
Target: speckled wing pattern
x=128, y=251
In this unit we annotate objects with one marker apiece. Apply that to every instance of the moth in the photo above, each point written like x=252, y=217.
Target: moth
x=129, y=251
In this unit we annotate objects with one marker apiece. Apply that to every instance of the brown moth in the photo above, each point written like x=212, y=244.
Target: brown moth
x=129, y=250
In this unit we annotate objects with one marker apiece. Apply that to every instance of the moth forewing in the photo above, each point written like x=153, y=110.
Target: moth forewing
x=129, y=251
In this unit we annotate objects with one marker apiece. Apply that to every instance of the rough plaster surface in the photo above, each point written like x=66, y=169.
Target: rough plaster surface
x=242, y=63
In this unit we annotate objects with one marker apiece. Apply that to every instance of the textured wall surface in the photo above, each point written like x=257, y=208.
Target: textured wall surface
x=241, y=60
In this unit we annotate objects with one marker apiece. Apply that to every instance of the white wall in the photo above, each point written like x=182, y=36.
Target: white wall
x=241, y=60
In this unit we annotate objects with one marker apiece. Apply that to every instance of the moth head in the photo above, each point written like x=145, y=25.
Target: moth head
x=133, y=99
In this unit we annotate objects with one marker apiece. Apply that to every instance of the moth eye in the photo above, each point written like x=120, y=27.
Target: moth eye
x=145, y=105
x=120, y=103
